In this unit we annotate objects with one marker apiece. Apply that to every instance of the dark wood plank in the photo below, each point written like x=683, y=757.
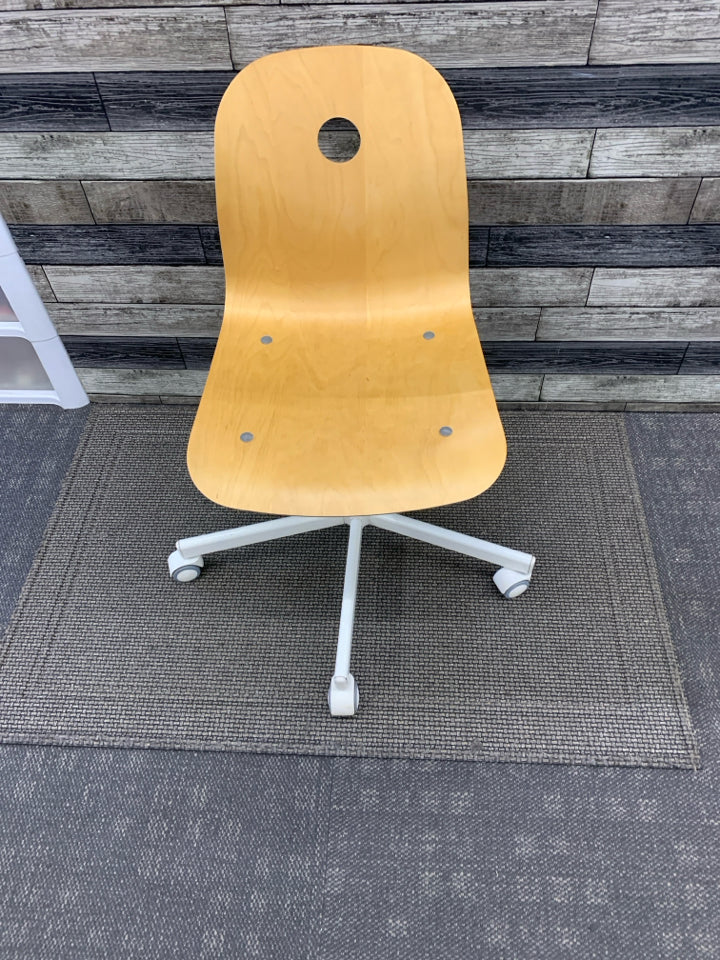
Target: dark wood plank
x=584, y=357
x=478, y=246
x=75, y=244
x=44, y=201
x=173, y=100
x=617, y=246
x=210, y=237
x=607, y=96
x=129, y=352
x=702, y=358
x=197, y=352
x=51, y=101
x=151, y=201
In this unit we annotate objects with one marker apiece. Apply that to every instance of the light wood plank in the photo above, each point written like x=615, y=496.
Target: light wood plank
x=138, y=284
x=151, y=201
x=106, y=380
x=661, y=287
x=656, y=152
x=664, y=31
x=42, y=201
x=111, y=156
x=148, y=320
x=527, y=153
x=530, y=286
x=446, y=34
x=706, y=208
x=606, y=323
x=38, y=277
x=516, y=386
x=668, y=200
x=507, y=323
x=657, y=389
x=170, y=38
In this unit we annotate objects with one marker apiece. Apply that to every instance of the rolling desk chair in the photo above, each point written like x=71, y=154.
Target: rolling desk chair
x=348, y=383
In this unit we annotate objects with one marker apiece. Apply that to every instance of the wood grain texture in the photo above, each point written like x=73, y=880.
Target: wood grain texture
x=663, y=287
x=506, y=323
x=507, y=286
x=44, y=201
x=669, y=200
x=106, y=156
x=197, y=352
x=516, y=386
x=629, y=387
x=38, y=277
x=603, y=96
x=56, y=101
x=612, y=246
x=150, y=201
x=702, y=358
x=629, y=323
x=91, y=4
x=584, y=357
x=138, y=284
x=656, y=152
x=335, y=271
x=446, y=34
x=149, y=38
x=706, y=208
x=134, y=353
x=162, y=100
x=505, y=154
x=109, y=381
x=664, y=31
x=76, y=244
x=132, y=320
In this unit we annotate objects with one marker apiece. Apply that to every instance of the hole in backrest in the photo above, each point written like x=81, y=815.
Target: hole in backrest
x=339, y=139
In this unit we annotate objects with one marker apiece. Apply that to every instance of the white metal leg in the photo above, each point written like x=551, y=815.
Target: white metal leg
x=343, y=694
x=252, y=533
x=460, y=542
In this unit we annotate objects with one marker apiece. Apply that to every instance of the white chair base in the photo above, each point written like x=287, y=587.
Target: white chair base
x=512, y=579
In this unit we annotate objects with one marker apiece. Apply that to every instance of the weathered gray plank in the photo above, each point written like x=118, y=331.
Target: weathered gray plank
x=171, y=38
x=447, y=34
x=107, y=156
x=37, y=274
x=505, y=154
x=668, y=200
x=530, y=286
x=517, y=386
x=664, y=31
x=507, y=323
x=88, y=4
x=106, y=380
x=658, y=389
x=656, y=152
x=151, y=201
x=131, y=320
x=138, y=284
x=607, y=323
x=706, y=208
x=657, y=287
x=43, y=201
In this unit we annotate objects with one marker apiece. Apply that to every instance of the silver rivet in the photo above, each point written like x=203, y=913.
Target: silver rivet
x=265, y=339
x=246, y=437
x=428, y=335
x=445, y=431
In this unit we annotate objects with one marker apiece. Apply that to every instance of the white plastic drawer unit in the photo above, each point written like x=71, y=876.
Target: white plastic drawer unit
x=34, y=366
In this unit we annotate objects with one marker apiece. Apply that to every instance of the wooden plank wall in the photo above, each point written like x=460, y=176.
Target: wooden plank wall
x=592, y=133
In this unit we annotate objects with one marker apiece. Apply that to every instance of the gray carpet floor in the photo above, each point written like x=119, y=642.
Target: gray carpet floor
x=155, y=854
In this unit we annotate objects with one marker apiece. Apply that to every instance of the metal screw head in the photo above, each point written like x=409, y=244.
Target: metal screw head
x=445, y=431
x=428, y=335
x=247, y=437
x=266, y=339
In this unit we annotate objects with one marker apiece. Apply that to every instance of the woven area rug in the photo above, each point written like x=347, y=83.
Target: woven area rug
x=104, y=649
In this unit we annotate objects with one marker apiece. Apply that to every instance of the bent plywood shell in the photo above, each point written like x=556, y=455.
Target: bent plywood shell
x=348, y=267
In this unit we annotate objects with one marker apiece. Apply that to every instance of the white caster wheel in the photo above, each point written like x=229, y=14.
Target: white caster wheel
x=343, y=696
x=510, y=583
x=184, y=570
